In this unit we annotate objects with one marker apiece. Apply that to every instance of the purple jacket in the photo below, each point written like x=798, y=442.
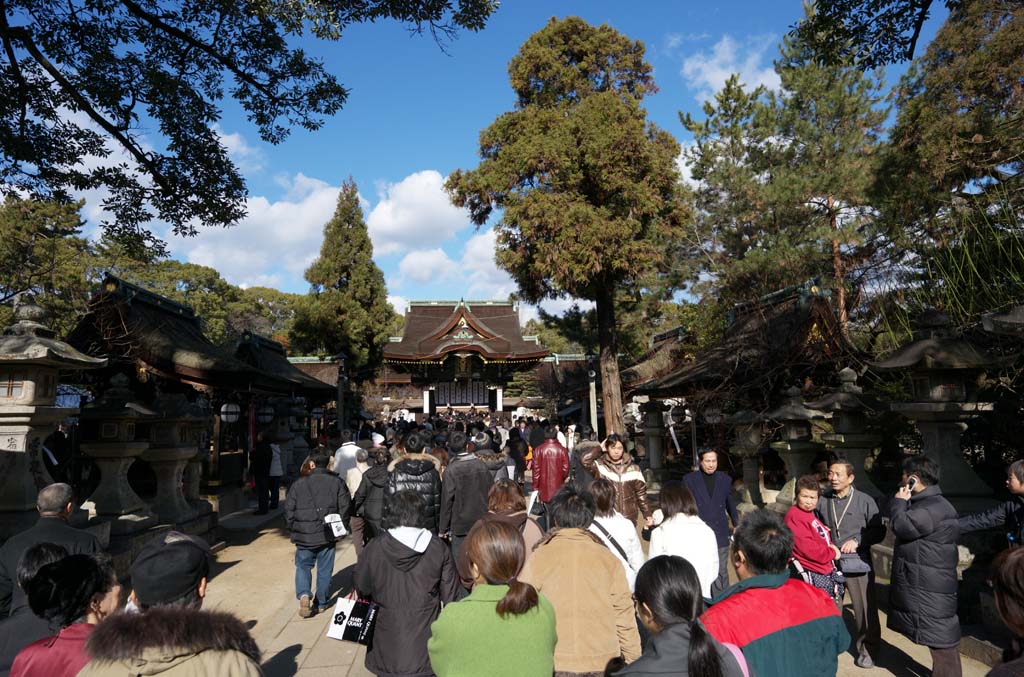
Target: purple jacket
x=714, y=508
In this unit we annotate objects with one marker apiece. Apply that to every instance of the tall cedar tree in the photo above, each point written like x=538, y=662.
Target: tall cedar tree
x=588, y=190
x=347, y=309
x=81, y=78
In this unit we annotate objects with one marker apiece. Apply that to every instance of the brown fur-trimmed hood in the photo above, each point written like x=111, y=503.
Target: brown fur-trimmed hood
x=415, y=457
x=163, y=634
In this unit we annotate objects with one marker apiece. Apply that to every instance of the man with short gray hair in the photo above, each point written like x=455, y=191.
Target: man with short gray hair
x=54, y=504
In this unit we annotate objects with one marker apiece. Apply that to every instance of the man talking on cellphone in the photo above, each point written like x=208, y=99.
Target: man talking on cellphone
x=922, y=599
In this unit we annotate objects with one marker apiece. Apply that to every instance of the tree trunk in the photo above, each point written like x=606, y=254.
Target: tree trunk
x=837, y=271
x=611, y=385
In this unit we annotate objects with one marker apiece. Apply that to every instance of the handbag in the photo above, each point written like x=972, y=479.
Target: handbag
x=615, y=544
x=852, y=563
x=353, y=621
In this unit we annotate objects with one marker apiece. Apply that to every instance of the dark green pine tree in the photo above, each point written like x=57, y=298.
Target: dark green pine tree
x=347, y=308
x=827, y=123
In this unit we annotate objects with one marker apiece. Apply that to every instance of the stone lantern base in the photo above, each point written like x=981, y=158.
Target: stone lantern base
x=114, y=500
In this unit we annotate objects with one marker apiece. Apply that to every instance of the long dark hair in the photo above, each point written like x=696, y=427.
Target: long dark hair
x=670, y=588
x=498, y=551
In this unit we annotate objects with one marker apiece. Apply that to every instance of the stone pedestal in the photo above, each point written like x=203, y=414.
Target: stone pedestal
x=168, y=465
x=941, y=425
x=747, y=445
x=22, y=471
x=114, y=500
x=654, y=432
x=191, y=480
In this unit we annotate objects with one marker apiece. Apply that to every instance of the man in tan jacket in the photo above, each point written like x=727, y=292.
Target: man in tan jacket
x=587, y=587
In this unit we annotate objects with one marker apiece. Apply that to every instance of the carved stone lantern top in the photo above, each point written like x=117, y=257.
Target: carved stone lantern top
x=793, y=409
x=27, y=341
x=935, y=346
x=847, y=397
x=1010, y=323
x=116, y=403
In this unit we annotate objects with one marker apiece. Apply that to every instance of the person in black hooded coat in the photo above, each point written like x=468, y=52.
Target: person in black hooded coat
x=922, y=597
x=368, y=501
x=417, y=472
x=408, y=572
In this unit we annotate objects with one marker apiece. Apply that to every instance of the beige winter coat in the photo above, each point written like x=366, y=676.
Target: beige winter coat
x=172, y=642
x=593, y=606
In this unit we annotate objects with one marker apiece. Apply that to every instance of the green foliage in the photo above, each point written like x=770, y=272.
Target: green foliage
x=81, y=79
x=41, y=253
x=588, y=191
x=959, y=138
x=870, y=33
x=347, y=309
x=785, y=181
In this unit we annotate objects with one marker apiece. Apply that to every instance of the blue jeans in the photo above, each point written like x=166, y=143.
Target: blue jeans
x=305, y=558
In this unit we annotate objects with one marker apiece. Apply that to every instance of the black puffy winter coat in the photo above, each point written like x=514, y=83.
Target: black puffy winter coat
x=922, y=597
x=309, y=500
x=368, y=501
x=420, y=473
x=1009, y=515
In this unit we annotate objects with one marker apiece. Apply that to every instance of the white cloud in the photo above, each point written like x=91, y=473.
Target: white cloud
x=274, y=244
x=249, y=159
x=398, y=303
x=424, y=266
x=484, y=279
x=414, y=213
x=684, y=166
x=706, y=73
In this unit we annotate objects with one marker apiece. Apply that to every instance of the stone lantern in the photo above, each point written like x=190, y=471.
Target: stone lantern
x=1005, y=324
x=654, y=431
x=850, y=438
x=30, y=360
x=796, y=447
x=747, y=438
x=173, y=441
x=297, y=420
x=111, y=437
x=944, y=371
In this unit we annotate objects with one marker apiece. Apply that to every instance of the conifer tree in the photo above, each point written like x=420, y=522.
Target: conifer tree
x=347, y=310
x=588, y=189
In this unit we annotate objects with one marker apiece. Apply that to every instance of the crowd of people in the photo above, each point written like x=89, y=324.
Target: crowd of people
x=477, y=571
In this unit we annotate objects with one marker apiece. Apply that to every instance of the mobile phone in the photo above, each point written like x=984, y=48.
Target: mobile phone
x=912, y=483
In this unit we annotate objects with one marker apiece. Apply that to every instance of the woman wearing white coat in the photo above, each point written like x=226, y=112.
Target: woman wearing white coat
x=614, y=530
x=683, y=533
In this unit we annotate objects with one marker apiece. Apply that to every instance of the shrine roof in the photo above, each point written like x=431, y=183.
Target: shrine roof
x=768, y=341
x=128, y=323
x=269, y=356
x=489, y=328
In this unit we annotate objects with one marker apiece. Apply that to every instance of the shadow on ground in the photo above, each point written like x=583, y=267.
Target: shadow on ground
x=284, y=663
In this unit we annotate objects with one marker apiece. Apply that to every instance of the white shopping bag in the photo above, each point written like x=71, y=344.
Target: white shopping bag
x=352, y=621
x=337, y=527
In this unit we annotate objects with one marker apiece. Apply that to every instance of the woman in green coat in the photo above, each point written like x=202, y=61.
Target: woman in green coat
x=505, y=627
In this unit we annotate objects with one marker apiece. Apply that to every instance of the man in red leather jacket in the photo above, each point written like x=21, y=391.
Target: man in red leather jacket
x=550, y=466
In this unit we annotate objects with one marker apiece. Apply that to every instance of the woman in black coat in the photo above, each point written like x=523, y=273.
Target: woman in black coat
x=419, y=472
x=368, y=501
x=922, y=596
x=409, y=572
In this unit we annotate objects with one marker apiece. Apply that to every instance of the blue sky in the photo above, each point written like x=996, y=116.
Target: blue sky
x=414, y=115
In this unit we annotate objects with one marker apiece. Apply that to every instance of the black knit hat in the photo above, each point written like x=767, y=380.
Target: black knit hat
x=169, y=568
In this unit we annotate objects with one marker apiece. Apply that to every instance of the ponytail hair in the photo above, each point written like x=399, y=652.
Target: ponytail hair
x=498, y=551
x=670, y=588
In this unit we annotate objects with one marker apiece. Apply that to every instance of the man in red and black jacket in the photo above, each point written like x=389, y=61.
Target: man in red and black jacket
x=550, y=466
x=783, y=625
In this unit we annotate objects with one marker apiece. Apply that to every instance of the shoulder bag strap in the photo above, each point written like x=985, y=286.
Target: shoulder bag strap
x=614, y=543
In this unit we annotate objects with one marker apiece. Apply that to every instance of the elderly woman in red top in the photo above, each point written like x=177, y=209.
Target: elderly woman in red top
x=814, y=556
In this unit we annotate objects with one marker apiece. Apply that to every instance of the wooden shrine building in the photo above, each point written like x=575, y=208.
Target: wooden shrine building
x=462, y=353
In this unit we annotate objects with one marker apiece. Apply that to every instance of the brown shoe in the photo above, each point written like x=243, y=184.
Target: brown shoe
x=305, y=607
